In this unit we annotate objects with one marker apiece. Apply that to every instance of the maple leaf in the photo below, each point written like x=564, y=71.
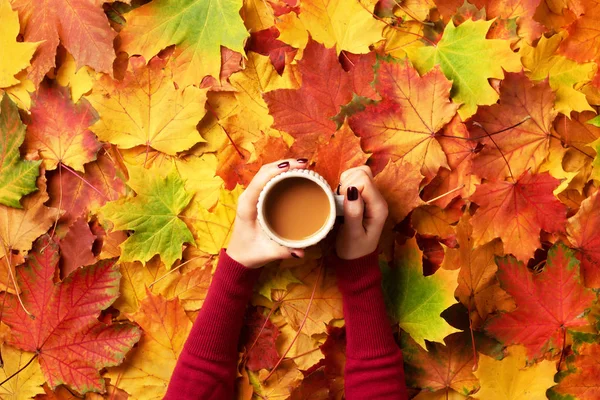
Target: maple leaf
x=80, y=25
x=468, y=59
x=578, y=131
x=326, y=303
x=281, y=383
x=306, y=113
x=58, y=130
x=583, y=381
x=582, y=43
x=212, y=229
x=401, y=199
x=548, y=303
x=138, y=280
x=146, y=372
x=563, y=74
x=404, y=124
x=265, y=42
x=442, y=367
x=416, y=301
x=478, y=289
x=76, y=247
x=197, y=27
x=261, y=336
x=20, y=227
x=347, y=24
x=152, y=215
x=514, y=150
x=15, y=55
x=512, y=379
x=297, y=345
x=520, y=10
x=516, y=212
x=17, y=176
x=334, y=351
x=145, y=108
x=329, y=163
x=199, y=176
x=70, y=343
x=29, y=382
x=432, y=221
x=79, y=80
x=82, y=194
x=583, y=229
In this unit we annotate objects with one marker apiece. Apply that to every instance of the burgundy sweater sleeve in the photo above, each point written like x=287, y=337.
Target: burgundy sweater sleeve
x=206, y=368
x=374, y=365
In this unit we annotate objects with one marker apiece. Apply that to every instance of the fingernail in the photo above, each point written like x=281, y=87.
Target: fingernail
x=295, y=255
x=302, y=160
x=337, y=191
x=284, y=164
x=352, y=193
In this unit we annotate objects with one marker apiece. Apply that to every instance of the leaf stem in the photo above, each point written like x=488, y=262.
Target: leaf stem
x=445, y=194
x=19, y=370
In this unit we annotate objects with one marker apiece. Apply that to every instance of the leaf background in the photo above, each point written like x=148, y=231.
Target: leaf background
x=477, y=118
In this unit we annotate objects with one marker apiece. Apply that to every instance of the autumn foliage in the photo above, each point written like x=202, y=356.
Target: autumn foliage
x=128, y=130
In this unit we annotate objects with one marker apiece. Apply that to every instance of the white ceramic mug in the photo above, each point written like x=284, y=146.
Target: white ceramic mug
x=336, y=207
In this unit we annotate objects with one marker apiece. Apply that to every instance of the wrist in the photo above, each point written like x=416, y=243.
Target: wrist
x=242, y=258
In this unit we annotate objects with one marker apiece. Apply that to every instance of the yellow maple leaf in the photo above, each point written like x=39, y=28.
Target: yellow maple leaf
x=511, y=379
x=564, y=75
x=20, y=93
x=292, y=30
x=279, y=386
x=346, y=24
x=14, y=56
x=27, y=383
x=147, y=370
x=146, y=108
x=79, y=80
x=257, y=15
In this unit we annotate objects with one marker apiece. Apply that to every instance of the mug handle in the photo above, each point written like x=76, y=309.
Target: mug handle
x=339, y=204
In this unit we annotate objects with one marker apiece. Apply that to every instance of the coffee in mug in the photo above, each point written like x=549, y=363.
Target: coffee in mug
x=298, y=208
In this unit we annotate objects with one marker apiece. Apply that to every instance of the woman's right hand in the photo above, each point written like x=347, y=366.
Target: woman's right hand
x=363, y=222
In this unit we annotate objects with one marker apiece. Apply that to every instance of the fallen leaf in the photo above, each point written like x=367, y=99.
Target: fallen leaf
x=28, y=383
x=583, y=229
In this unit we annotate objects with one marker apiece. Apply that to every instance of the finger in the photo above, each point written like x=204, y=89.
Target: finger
x=348, y=172
x=376, y=209
x=286, y=253
x=353, y=212
x=248, y=199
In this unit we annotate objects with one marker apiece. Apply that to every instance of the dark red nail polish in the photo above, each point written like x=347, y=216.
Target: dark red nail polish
x=352, y=193
x=284, y=164
x=295, y=255
x=302, y=160
x=337, y=191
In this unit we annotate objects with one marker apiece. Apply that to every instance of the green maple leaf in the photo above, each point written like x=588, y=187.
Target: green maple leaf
x=416, y=301
x=152, y=215
x=198, y=27
x=17, y=176
x=469, y=60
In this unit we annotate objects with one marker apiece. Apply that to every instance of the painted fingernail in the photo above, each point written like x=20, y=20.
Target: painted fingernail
x=284, y=164
x=295, y=255
x=337, y=191
x=352, y=193
x=302, y=160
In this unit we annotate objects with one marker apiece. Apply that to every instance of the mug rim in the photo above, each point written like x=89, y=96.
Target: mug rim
x=318, y=235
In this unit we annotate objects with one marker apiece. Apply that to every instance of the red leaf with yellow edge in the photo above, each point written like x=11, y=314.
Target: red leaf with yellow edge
x=59, y=129
x=306, y=113
x=78, y=194
x=510, y=149
x=80, y=25
x=339, y=154
x=72, y=345
x=76, y=247
x=404, y=124
x=583, y=383
x=399, y=184
x=261, y=351
x=548, y=303
x=584, y=233
x=583, y=42
x=516, y=212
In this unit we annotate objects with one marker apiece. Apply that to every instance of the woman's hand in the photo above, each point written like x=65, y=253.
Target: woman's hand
x=363, y=223
x=249, y=245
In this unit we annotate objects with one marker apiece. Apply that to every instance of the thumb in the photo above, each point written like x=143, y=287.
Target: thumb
x=353, y=212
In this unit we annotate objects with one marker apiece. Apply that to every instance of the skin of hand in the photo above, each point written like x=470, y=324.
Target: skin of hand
x=249, y=245
x=363, y=222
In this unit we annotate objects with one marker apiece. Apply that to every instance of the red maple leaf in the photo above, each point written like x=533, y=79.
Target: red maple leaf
x=70, y=343
x=81, y=26
x=306, y=113
x=265, y=42
x=583, y=42
x=516, y=212
x=584, y=233
x=584, y=382
x=260, y=344
x=548, y=303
